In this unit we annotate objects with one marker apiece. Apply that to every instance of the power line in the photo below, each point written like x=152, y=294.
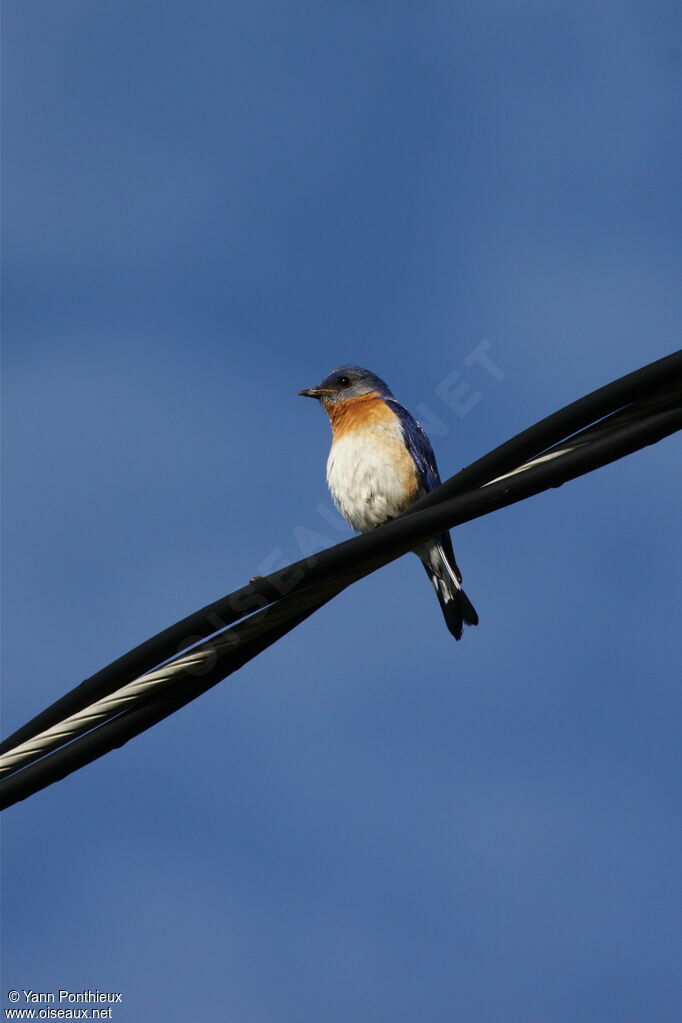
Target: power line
x=648, y=383
x=115, y=704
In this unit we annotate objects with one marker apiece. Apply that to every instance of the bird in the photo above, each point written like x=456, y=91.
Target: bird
x=380, y=463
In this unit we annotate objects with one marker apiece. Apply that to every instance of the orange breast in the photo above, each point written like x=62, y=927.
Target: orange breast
x=383, y=454
x=358, y=413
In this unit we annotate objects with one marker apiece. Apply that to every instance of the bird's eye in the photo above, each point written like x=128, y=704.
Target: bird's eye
x=343, y=381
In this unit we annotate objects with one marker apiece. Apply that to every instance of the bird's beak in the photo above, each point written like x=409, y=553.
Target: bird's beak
x=313, y=392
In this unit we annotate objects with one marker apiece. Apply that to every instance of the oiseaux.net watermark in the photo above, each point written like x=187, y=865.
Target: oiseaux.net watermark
x=62, y=1004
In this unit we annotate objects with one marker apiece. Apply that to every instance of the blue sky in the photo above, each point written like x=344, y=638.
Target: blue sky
x=206, y=208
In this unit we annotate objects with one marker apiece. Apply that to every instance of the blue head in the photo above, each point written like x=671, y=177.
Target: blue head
x=347, y=382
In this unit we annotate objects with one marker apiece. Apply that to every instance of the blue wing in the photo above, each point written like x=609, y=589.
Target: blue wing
x=419, y=446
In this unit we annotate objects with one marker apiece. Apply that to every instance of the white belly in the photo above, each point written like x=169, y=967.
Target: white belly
x=367, y=486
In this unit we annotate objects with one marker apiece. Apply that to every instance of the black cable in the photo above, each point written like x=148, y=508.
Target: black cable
x=661, y=377
x=664, y=374
x=115, y=733
x=236, y=646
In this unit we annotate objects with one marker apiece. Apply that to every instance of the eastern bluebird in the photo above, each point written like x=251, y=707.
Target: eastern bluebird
x=380, y=462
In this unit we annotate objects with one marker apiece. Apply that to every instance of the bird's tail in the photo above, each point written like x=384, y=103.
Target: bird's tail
x=447, y=582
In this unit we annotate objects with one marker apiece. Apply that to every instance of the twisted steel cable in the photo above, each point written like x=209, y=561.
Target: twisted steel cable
x=127, y=697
